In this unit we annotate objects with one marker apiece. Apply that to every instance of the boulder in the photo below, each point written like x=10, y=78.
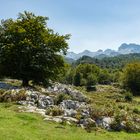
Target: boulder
x=45, y=101
x=87, y=122
x=105, y=122
x=85, y=113
x=70, y=104
x=70, y=112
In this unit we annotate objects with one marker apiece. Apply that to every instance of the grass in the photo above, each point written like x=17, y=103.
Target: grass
x=107, y=97
x=15, y=125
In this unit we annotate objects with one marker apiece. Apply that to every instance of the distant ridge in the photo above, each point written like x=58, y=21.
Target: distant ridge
x=123, y=49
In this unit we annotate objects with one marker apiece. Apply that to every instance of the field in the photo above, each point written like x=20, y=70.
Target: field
x=15, y=125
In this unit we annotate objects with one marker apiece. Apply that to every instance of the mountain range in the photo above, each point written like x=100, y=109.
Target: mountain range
x=123, y=49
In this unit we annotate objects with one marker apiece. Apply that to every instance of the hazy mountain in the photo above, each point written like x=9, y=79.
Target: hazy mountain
x=129, y=48
x=123, y=49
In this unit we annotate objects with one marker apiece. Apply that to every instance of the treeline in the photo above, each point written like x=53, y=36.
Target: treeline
x=89, y=75
x=117, y=62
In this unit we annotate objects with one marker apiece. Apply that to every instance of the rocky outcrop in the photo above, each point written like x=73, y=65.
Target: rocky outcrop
x=58, y=88
x=74, y=110
x=70, y=104
x=35, y=98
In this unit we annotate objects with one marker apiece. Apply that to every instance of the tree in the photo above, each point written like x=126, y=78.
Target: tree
x=104, y=77
x=86, y=75
x=77, y=79
x=29, y=50
x=91, y=80
x=131, y=77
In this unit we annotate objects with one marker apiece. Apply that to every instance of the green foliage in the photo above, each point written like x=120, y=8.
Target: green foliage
x=136, y=110
x=104, y=77
x=86, y=75
x=117, y=62
x=29, y=50
x=66, y=75
x=54, y=111
x=117, y=124
x=91, y=80
x=77, y=79
x=8, y=96
x=128, y=96
x=61, y=97
x=131, y=77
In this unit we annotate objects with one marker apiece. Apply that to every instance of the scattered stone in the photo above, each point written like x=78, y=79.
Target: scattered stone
x=45, y=101
x=58, y=88
x=88, y=122
x=105, y=122
x=70, y=104
x=70, y=112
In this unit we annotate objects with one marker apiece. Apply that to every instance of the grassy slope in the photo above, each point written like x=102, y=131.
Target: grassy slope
x=105, y=99
x=27, y=126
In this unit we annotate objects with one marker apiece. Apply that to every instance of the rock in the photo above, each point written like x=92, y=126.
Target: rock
x=58, y=88
x=70, y=112
x=88, y=122
x=34, y=96
x=70, y=119
x=32, y=109
x=105, y=122
x=42, y=112
x=45, y=101
x=70, y=104
x=85, y=113
x=26, y=103
x=55, y=119
x=58, y=120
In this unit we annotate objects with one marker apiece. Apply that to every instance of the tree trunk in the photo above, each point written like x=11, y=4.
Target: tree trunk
x=25, y=83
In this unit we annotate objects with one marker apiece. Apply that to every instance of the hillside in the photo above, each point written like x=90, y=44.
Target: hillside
x=29, y=126
x=40, y=111
x=110, y=62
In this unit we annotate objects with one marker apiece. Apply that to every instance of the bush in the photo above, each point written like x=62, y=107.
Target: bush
x=131, y=127
x=61, y=97
x=136, y=110
x=131, y=78
x=91, y=88
x=128, y=97
x=54, y=111
x=8, y=96
x=124, y=122
x=117, y=123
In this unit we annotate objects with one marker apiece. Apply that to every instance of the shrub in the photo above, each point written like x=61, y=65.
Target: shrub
x=61, y=97
x=136, y=110
x=131, y=78
x=21, y=95
x=8, y=96
x=90, y=125
x=131, y=127
x=117, y=123
x=54, y=111
x=91, y=88
x=128, y=97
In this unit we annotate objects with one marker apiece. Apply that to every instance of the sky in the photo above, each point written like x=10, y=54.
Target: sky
x=93, y=24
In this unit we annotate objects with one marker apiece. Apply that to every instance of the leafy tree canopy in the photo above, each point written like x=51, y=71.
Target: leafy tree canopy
x=86, y=75
x=131, y=77
x=29, y=50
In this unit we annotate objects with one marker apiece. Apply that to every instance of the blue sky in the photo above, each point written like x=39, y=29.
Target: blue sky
x=93, y=24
